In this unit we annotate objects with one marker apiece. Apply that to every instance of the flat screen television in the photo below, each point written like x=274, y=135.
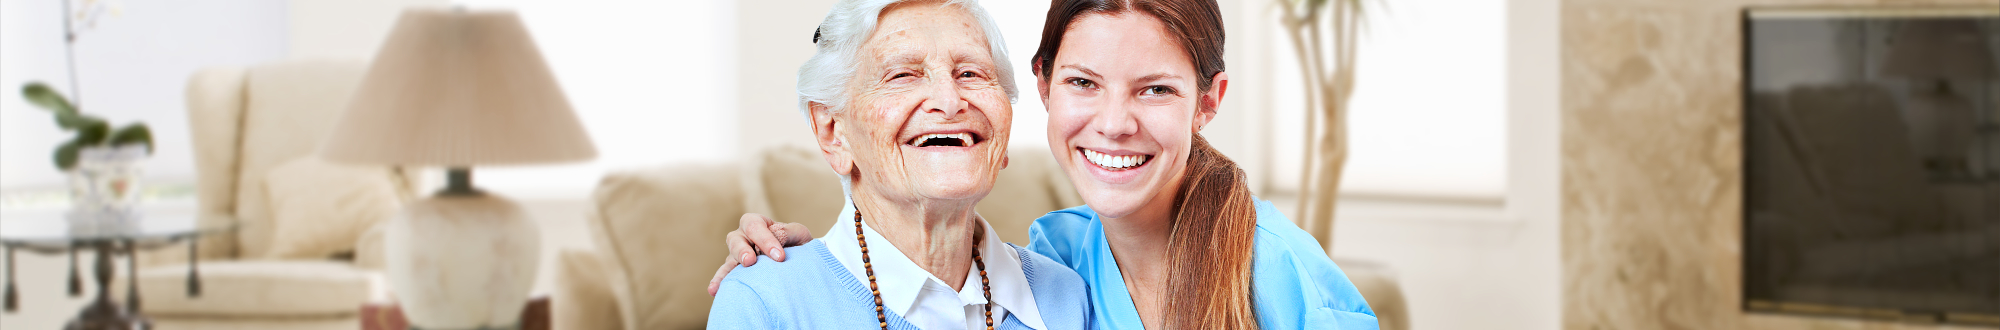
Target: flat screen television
x=1872, y=163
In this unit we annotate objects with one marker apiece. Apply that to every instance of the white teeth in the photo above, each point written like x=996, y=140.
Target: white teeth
x=1113, y=162
x=965, y=137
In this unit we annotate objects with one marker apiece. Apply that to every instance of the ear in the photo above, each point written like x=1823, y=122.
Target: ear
x=826, y=132
x=1211, y=100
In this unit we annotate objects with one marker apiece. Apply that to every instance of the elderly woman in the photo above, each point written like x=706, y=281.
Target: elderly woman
x=909, y=103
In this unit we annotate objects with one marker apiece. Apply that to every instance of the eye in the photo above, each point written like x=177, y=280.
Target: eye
x=1080, y=82
x=1158, y=90
x=901, y=74
x=968, y=74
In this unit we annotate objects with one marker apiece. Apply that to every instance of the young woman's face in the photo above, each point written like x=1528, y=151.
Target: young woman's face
x=1123, y=108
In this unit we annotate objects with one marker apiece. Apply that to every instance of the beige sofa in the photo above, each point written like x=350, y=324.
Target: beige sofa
x=657, y=233
x=246, y=122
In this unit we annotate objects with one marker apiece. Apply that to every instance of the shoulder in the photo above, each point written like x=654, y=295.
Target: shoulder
x=1060, y=293
x=806, y=274
x=771, y=294
x=1277, y=232
x=1065, y=220
x=1041, y=270
x=1293, y=275
x=1058, y=235
x=807, y=258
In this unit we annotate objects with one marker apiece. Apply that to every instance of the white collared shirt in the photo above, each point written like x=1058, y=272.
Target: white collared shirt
x=926, y=301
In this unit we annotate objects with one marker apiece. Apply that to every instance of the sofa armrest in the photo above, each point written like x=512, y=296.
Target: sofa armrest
x=1377, y=283
x=215, y=102
x=583, y=298
x=368, y=250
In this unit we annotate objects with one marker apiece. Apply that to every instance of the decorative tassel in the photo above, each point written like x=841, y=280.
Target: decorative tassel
x=13, y=299
x=194, y=269
x=75, y=282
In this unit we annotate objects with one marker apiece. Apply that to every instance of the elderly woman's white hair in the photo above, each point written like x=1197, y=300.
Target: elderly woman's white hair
x=837, y=45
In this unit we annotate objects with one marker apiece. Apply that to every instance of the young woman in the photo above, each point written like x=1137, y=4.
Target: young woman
x=1171, y=237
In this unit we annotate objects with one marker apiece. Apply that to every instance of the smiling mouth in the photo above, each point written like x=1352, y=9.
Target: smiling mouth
x=1115, y=163
x=945, y=140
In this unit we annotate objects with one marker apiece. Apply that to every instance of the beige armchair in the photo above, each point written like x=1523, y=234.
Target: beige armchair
x=245, y=123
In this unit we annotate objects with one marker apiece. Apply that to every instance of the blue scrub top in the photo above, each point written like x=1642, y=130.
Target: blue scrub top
x=1294, y=284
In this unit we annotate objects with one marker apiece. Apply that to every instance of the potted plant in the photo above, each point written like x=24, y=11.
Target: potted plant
x=102, y=162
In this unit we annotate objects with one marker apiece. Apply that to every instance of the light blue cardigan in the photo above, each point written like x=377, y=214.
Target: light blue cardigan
x=816, y=292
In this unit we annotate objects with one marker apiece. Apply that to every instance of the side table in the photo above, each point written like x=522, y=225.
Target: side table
x=54, y=235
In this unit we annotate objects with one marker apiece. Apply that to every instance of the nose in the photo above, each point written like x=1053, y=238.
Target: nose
x=1115, y=120
x=945, y=99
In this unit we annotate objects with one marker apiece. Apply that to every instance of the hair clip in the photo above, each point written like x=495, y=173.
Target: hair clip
x=815, y=36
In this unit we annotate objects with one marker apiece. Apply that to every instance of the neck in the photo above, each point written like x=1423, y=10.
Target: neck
x=1139, y=241
x=938, y=235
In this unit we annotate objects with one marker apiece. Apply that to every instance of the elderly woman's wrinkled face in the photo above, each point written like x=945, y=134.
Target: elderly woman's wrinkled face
x=927, y=118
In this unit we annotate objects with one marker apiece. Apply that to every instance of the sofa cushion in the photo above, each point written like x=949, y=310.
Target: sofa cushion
x=299, y=289
x=587, y=302
x=320, y=208
x=288, y=109
x=660, y=230
x=793, y=184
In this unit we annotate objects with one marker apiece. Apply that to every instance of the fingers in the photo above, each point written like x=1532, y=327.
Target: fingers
x=795, y=234
x=716, y=282
x=757, y=229
x=740, y=251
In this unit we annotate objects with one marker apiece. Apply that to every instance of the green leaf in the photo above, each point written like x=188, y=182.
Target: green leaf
x=133, y=133
x=41, y=95
x=92, y=132
x=69, y=121
x=65, y=156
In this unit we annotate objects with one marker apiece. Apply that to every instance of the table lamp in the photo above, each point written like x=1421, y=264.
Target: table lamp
x=1931, y=53
x=454, y=88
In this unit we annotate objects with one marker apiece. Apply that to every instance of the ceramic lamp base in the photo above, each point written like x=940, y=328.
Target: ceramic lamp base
x=462, y=262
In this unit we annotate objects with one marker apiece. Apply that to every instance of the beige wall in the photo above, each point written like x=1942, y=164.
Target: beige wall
x=1650, y=152
x=344, y=28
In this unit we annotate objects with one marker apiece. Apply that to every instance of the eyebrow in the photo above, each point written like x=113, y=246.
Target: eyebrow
x=1086, y=71
x=903, y=57
x=966, y=58
x=1158, y=77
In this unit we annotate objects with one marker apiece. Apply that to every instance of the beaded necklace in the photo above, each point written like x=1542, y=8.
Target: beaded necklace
x=883, y=317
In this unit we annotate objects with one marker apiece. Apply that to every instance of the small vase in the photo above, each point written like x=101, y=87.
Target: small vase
x=104, y=186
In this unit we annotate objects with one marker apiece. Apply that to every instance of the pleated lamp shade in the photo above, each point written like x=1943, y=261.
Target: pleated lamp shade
x=458, y=87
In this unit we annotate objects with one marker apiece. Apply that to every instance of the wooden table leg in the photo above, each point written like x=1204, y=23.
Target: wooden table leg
x=102, y=314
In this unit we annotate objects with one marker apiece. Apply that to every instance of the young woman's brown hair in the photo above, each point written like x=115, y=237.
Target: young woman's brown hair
x=1214, y=221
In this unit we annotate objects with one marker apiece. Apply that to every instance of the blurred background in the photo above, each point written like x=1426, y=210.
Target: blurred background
x=1513, y=164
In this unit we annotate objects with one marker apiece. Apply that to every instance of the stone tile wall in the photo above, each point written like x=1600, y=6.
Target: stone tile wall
x=1651, y=180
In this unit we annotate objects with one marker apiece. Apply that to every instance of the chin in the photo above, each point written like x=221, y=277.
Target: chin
x=954, y=188
x=1109, y=204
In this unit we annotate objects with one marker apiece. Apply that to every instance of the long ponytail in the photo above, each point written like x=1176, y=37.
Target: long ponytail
x=1210, y=245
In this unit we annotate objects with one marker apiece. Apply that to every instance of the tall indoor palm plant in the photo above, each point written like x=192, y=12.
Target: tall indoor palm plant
x=1323, y=35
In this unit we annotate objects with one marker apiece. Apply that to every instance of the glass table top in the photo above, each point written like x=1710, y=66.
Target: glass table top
x=54, y=230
